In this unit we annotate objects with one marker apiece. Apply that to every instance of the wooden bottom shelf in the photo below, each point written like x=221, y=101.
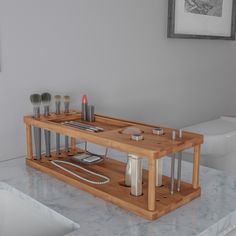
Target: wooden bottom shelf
x=115, y=191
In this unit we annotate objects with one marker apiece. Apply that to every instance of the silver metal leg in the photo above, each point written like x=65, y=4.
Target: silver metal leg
x=66, y=144
x=37, y=141
x=159, y=167
x=172, y=184
x=136, y=175
x=128, y=172
x=58, y=144
x=47, y=135
x=179, y=171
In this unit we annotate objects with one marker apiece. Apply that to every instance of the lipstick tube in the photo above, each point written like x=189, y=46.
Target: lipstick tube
x=84, y=108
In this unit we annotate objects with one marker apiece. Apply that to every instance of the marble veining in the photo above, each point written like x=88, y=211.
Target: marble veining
x=29, y=216
x=214, y=213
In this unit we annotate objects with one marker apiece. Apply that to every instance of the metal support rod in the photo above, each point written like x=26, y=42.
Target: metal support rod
x=172, y=183
x=159, y=167
x=47, y=135
x=58, y=144
x=66, y=144
x=179, y=171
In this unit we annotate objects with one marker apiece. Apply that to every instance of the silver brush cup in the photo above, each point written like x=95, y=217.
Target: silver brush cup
x=37, y=140
x=159, y=167
x=128, y=172
x=136, y=175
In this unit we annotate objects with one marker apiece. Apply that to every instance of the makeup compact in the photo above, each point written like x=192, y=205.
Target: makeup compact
x=137, y=137
x=158, y=131
x=87, y=158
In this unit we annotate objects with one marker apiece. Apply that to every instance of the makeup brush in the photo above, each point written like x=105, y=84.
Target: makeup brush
x=46, y=99
x=58, y=104
x=36, y=101
x=58, y=112
x=67, y=110
x=67, y=104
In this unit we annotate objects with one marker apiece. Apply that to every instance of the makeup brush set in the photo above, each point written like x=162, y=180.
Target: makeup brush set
x=45, y=100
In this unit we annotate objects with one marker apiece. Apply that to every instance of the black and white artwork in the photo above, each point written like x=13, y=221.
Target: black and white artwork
x=204, y=7
x=203, y=19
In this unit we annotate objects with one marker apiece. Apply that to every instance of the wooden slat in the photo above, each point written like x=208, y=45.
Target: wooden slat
x=196, y=166
x=151, y=185
x=29, y=142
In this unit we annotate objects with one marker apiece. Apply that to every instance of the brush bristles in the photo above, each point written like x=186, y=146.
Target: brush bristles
x=57, y=98
x=46, y=98
x=35, y=99
x=66, y=98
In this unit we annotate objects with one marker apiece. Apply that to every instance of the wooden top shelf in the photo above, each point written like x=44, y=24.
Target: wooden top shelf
x=152, y=147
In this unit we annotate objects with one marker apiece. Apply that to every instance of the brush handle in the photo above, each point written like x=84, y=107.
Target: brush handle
x=47, y=135
x=36, y=112
x=58, y=107
x=67, y=107
x=172, y=183
x=66, y=144
x=37, y=142
x=46, y=110
x=58, y=144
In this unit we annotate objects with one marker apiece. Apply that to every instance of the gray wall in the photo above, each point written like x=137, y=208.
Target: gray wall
x=117, y=52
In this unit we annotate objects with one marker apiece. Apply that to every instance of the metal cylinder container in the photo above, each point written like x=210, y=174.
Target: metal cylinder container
x=90, y=113
x=128, y=172
x=47, y=135
x=136, y=175
x=159, y=167
x=84, y=111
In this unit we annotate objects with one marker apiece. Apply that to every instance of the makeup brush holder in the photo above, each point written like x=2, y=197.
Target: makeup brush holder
x=145, y=195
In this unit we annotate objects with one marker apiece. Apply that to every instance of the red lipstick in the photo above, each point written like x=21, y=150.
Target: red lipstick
x=84, y=108
x=84, y=99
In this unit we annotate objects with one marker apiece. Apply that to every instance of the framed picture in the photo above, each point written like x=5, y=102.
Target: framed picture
x=202, y=19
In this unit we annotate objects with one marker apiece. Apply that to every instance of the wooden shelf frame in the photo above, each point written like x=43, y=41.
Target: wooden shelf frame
x=152, y=148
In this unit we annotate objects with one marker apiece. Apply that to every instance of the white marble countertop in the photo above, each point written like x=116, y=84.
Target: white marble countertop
x=214, y=213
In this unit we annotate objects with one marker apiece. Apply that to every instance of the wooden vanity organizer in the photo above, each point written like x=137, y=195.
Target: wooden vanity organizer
x=155, y=201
